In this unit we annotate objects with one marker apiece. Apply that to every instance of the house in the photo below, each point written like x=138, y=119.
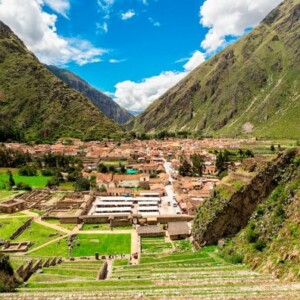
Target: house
x=178, y=230
x=132, y=181
x=150, y=230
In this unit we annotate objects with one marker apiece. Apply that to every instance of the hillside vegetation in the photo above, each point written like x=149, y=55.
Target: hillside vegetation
x=35, y=105
x=110, y=108
x=270, y=241
x=252, y=88
x=260, y=219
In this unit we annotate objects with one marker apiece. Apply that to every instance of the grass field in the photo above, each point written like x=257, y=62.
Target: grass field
x=10, y=225
x=6, y=194
x=38, y=235
x=104, y=244
x=56, y=222
x=66, y=186
x=39, y=181
x=58, y=248
x=104, y=227
x=155, y=245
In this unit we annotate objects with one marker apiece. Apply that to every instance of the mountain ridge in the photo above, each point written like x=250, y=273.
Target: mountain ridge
x=107, y=105
x=251, y=88
x=35, y=105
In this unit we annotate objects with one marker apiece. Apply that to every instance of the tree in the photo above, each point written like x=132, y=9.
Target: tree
x=198, y=165
x=93, y=182
x=28, y=171
x=272, y=148
x=11, y=180
x=122, y=169
x=185, y=168
x=82, y=184
x=102, y=168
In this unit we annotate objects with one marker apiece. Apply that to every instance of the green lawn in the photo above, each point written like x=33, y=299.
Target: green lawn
x=57, y=222
x=5, y=194
x=39, y=181
x=9, y=226
x=155, y=245
x=38, y=234
x=104, y=227
x=104, y=244
x=58, y=248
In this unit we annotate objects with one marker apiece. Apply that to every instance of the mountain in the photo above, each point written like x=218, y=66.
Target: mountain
x=250, y=88
x=110, y=108
x=36, y=105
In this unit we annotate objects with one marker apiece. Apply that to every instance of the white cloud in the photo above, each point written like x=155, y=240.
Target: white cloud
x=154, y=23
x=106, y=5
x=60, y=6
x=138, y=95
x=116, y=61
x=128, y=15
x=230, y=18
x=102, y=28
x=38, y=31
x=196, y=59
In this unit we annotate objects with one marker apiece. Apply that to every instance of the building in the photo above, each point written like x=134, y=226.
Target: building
x=178, y=230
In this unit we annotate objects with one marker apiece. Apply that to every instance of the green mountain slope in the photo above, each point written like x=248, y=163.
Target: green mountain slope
x=270, y=241
x=37, y=105
x=110, y=108
x=250, y=88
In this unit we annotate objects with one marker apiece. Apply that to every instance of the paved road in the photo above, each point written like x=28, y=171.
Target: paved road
x=173, y=208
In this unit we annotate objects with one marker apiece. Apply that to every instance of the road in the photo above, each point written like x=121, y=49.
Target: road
x=173, y=208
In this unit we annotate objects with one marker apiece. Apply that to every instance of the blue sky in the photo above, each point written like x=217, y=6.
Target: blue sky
x=134, y=50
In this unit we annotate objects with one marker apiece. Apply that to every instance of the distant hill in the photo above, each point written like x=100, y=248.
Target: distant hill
x=110, y=108
x=36, y=105
x=252, y=88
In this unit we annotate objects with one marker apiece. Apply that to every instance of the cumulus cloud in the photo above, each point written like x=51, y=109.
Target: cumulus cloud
x=106, y=6
x=60, y=6
x=138, y=95
x=128, y=15
x=38, y=31
x=196, y=59
x=230, y=18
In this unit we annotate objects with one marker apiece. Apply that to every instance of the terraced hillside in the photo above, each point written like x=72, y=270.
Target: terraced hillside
x=181, y=275
x=250, y=88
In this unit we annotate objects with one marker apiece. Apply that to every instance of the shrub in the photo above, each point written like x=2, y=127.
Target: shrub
x=23, y=187
x=252, y=236
x=260, y=245
x=28, y=171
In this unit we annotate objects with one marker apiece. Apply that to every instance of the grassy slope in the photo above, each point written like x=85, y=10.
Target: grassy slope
x=255, y=80
x=275, y=226
x=34, y=101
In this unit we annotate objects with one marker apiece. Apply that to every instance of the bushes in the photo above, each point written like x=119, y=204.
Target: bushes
x=252, y=236
x=28, y=171
x=260, y=245
x=23, y=187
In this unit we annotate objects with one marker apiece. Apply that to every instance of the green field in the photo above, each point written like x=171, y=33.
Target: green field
x=57, y=248
x=104, y=227
x=39, y=181
x=104, y=244
x=155, y=245
x=10, y=225
x=4, y=195
x=38, y=235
